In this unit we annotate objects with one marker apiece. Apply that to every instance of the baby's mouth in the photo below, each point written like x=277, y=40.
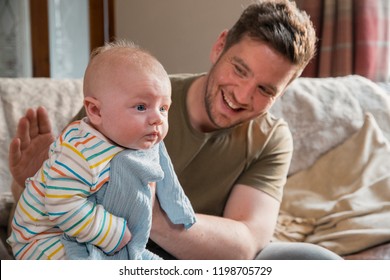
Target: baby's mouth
x=153, y=135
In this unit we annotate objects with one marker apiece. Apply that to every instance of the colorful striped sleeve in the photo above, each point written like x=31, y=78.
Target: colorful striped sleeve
x=78, y=169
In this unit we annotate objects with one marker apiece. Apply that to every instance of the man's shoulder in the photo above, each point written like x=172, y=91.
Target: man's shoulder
x=181, y=79
x=267, y=134
x=268, y=124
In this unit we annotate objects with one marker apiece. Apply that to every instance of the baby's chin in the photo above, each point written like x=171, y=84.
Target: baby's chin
x=142, y=146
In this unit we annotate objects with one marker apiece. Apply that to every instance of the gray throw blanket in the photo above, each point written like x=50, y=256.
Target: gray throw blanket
x=128, y=195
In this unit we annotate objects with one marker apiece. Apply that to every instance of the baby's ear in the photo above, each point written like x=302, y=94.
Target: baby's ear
x=92, y=107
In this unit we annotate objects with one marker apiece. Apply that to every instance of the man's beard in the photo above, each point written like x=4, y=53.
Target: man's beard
x=209, y=100
x=208, y=103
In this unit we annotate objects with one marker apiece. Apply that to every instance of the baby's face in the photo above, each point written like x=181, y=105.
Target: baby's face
x=135, y=110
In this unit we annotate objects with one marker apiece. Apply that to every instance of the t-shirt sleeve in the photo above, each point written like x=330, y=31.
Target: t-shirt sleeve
x=268, y=169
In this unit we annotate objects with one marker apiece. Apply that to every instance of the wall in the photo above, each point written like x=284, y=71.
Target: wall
x=180, y=33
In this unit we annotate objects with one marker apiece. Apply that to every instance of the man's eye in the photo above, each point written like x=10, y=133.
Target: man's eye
x=239, y=70
x=141, y=107
x=264, y=91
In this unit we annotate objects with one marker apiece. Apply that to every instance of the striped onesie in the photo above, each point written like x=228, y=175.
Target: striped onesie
x=55, y=200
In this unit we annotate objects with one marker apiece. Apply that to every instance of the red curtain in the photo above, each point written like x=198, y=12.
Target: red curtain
x=354, y=38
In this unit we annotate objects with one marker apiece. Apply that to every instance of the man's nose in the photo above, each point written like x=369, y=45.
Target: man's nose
x=244, y=92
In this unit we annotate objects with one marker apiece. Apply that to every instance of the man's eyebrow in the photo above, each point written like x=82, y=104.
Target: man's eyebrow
x=242, y=63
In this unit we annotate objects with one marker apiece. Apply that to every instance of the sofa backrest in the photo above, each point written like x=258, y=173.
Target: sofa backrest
x=61, y=98
x=323, y=112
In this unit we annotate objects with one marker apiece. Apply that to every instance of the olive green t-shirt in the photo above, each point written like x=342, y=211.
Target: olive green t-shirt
x=208, y=165
x=256, y=153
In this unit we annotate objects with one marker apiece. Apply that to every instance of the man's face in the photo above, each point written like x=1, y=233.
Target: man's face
x=244, y=82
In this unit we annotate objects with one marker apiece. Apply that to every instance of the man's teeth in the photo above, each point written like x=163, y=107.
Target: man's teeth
x=230, y=103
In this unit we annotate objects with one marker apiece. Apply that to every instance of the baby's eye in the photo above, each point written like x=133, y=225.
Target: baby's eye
x=140, y=107
x=164, y=109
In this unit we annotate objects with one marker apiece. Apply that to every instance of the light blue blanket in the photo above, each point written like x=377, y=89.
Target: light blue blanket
x=128, y=195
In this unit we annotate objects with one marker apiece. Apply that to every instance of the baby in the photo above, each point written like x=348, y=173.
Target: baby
x=79, y=205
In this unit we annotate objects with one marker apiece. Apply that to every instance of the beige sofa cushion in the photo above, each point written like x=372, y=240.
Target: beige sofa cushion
x=342, y=202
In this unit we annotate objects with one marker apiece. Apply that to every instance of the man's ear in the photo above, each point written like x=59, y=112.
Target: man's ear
x=218, y=46
x=92, y=108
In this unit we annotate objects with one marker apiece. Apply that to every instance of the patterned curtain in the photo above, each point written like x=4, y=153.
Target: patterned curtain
x=354, y=38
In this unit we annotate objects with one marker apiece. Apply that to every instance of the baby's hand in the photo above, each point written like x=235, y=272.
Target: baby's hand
x=126, y=239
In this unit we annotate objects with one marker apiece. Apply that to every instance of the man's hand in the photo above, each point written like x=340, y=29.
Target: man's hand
x=29, y=148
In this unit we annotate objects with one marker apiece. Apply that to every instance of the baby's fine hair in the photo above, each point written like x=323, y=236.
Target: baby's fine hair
x=118, y=44
x=124, y=51
x=139, y=55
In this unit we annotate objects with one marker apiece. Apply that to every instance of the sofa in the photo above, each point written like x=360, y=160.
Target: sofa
x=337, y=193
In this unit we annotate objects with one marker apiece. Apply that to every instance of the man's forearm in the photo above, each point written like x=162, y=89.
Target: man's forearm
x=16, y=190
x=209, y=238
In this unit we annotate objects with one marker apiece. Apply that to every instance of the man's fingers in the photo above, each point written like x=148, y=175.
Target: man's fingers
x=44, y=124
x=31, y=116
x=33, y=123
x=23, y=133
x=15, y=153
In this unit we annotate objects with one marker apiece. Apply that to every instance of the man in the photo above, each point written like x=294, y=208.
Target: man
x=230, y=154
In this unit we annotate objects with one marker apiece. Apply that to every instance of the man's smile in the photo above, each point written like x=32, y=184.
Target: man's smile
x=232, y=105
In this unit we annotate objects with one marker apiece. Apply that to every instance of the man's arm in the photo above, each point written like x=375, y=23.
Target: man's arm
x=29, y=148
x=246, y=227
